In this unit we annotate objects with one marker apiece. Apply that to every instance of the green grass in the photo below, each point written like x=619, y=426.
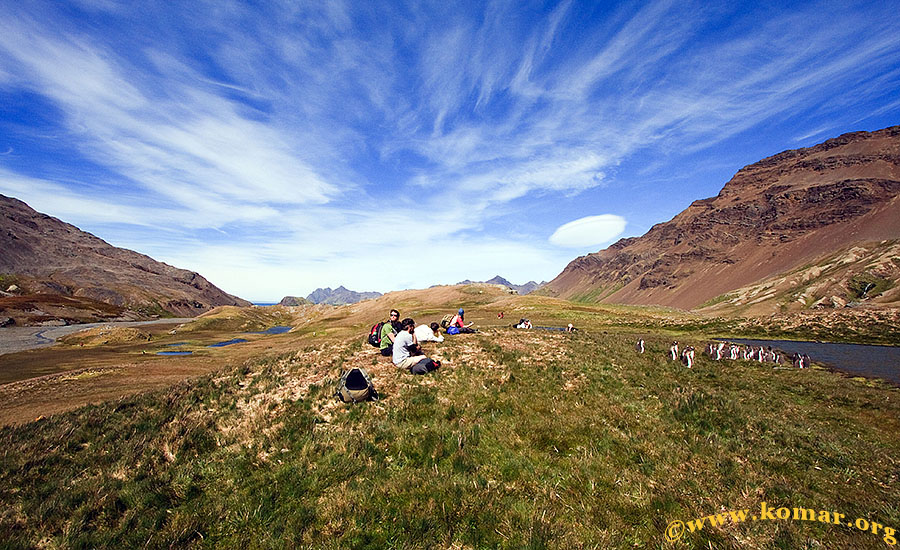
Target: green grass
x=522, y=440
x=7, y=280
x=153, y=309
x=718, y=300
x=599, y=293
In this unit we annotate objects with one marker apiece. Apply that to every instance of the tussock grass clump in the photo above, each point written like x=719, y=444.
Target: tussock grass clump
x=523, y=439
x=99, y=336
x=241, y=319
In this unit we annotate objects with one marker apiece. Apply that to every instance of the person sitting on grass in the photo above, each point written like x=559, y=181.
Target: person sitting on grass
x=406, y=351
x=429, y=333
x=458, y=324
x=389, y=331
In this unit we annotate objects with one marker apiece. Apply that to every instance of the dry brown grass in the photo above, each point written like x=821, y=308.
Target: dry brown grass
x=320, y=337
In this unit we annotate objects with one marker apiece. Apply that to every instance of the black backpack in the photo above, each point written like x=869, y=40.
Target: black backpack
x=375, y=335
x=355, y=386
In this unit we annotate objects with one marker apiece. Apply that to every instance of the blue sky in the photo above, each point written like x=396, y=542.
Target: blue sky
x=276, y=147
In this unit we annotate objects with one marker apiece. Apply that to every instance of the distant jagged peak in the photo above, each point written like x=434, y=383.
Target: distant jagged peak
x=498, y=280
x=339, y=296
x=527, y=288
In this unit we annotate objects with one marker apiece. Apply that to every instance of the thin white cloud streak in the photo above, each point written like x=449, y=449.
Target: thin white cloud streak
x=85, y=207
x=71, y=207
x=557, y=110
x=196, y=140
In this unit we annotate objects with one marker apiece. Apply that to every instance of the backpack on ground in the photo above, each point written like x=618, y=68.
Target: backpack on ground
x=375, y=335
x=355, y=386
x=445, y=322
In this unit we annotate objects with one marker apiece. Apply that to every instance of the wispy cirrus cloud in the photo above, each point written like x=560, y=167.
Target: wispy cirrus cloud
x=303, y=131
x=182, y=144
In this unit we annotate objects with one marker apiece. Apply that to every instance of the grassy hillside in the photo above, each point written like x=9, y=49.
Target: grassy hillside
x=523, y=439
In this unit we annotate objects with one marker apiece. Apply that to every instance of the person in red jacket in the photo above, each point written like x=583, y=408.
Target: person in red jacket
x=458, y=324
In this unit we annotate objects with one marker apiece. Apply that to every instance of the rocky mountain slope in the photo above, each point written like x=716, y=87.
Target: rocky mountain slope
x=339, y=296
x=40, y=254
x=785, y=214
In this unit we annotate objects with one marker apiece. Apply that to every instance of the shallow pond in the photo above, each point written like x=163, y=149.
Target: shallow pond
x=274, y=330
x=856, y=359
x=226, y=343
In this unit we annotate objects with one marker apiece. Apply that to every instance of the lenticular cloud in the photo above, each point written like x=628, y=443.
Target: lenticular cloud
x=588, y=231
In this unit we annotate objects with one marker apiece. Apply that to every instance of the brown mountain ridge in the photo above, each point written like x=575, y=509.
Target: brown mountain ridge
x=42, y=255
x=779, y=236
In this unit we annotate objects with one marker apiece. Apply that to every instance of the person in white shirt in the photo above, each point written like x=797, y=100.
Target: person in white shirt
x=407, y=354
x=428, y=333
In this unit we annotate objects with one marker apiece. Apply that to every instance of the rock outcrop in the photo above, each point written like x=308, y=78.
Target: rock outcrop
x=293, y=301
x=339, y=296
x=774, y=216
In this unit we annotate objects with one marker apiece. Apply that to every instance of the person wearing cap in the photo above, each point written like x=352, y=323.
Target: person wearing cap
x=459, y=324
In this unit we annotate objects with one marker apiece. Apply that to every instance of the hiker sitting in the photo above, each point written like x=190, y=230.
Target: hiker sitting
x=405, y=349
x=524, y=323
x=428, y=333
x=389, y=332
x=458, y=324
